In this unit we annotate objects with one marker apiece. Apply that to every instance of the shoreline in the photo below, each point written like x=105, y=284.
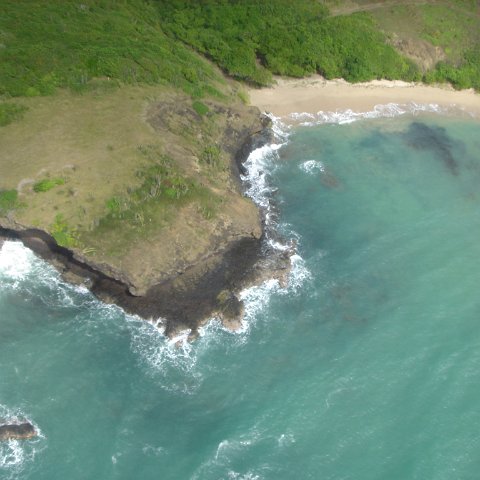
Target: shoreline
x=314, y=95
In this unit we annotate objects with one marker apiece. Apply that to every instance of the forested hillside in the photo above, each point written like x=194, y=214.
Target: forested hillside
x=97, y=44
x=65, y=43
x=251, y=40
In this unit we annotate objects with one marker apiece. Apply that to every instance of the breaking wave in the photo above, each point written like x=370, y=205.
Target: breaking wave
x=312, y=166
x=388, y=110
x=260, y=168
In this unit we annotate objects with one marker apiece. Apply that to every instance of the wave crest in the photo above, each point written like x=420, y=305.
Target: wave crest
x=388, y=110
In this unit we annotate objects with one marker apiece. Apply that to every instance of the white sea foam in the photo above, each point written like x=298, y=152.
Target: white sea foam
x=232, y=475
x=285, y=440
x=299, y=275
x=21, y=270
x=17, y=455
x=16, y=261
x=379, y=111
x=312, y=166
x=177, y=360
x=158, y=351
x=261, y=163
x=260, y=166
x=257, y=298
x=228, y=452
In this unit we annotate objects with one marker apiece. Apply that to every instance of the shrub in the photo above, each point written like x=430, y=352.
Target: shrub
x=251, y=40
x=211, y=156
x=63, y=234
x=47, y=184
x=8, y=200
x=9, y=112
x=200, y=108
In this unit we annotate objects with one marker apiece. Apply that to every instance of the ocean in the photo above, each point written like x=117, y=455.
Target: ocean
x=365, y=367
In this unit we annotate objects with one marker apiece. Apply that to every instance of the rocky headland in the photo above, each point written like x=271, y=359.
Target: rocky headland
x=209, y=244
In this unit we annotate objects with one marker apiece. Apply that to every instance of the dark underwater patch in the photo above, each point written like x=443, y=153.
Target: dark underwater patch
x=424, y=137
x=375, y=140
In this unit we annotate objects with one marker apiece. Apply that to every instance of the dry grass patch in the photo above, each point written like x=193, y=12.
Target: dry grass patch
x=135, y=178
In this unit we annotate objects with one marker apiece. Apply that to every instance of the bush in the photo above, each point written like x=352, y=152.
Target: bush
x=47, y=184
x=465, y=75
x=200, y=108
x=9, y=112
x=8, y=200
x=211, y=156
x=63, y=234
x=251, y=40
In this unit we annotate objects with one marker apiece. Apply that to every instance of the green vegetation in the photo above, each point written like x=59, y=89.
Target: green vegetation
x=445, y=35
x=47, y=184
x=251, y=40
x=465, y=75
x=9, y=112
x=92, y=45
x=162, y=189
x=8, y=201
x=200, y=108
x=243, y=96
x=160, y=185
x=99, y=45
x=63, y=234
x=442, y=28
x=211, y=156
x=455, y=29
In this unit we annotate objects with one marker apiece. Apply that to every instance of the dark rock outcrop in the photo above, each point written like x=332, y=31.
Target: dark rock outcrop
x=14, y=431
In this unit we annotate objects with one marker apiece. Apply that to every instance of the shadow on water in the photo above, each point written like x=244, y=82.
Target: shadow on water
x=434, y=138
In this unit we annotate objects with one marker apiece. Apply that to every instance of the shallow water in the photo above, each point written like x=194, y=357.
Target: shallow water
x=365, y=368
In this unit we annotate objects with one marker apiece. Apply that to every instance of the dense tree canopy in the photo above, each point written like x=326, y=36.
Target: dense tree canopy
x=250, y=40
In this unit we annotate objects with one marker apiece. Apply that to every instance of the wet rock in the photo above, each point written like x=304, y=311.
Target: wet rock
x=231, y=309
x=20, y=431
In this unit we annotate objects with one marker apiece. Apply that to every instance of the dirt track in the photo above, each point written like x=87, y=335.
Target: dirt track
x=349, y=8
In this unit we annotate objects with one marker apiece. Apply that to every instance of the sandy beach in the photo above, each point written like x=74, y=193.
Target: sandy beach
x=315, y=94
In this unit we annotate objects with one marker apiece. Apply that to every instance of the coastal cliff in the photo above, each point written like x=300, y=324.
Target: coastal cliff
x=175, y=240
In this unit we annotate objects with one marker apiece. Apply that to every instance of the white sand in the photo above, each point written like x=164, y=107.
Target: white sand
x=315, y=94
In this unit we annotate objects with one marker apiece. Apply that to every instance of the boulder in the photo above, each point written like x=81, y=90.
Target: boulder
x=17, y=431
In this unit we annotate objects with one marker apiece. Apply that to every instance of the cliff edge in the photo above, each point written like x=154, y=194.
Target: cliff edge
x=137, y=195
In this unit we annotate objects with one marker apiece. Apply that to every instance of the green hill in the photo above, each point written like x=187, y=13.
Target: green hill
x=64, y=43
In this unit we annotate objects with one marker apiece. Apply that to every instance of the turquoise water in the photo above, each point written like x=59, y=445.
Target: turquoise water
x=365, y=368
